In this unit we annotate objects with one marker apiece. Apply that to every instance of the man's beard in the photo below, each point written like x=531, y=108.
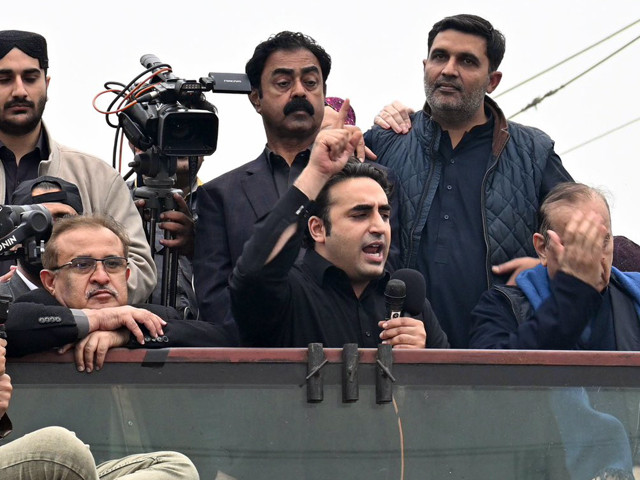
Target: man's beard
x=12, y=127
x=456, y=112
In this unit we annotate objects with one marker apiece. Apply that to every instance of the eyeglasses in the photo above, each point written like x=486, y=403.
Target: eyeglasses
x=85, y=265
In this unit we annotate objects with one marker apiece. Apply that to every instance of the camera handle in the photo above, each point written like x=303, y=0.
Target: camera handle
x=158, y=200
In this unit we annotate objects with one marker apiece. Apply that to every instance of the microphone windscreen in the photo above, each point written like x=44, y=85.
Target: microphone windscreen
x=395, y=289
x=416, y=289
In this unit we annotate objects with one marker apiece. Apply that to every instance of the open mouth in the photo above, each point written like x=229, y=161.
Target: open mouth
x=374, y=251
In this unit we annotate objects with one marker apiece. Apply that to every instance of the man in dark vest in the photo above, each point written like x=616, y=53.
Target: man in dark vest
x=470, y=182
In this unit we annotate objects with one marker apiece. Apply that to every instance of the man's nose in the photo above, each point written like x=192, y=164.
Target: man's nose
x=378, y=224
x=100, y=275
x=298, y=89
x=19, y=89
x=450, y=69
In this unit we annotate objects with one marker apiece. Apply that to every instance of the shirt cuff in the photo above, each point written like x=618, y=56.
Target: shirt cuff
x=575, y=283
x=82, y=322
x=294, y=204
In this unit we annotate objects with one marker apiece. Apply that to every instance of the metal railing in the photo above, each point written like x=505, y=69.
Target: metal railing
x=248, y=413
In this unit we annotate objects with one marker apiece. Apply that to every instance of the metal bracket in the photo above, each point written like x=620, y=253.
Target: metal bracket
x=350, y=360
x=315, y=361
x=384, y=387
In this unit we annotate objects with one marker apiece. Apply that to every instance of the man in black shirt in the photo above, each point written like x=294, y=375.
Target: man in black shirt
x=335, y=295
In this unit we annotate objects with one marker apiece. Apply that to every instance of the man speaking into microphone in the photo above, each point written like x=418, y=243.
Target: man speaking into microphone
x=336, y=294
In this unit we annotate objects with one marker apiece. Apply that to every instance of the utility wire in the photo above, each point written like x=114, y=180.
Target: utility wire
x=567, y=59
x=601, y=136
x=539, y=100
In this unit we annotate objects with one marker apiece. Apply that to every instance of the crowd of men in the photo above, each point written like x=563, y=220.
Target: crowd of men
x=299, y=245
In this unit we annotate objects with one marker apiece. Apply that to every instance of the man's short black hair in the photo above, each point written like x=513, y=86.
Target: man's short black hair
x=474, y=25
x=354, y=168
x=289, y=41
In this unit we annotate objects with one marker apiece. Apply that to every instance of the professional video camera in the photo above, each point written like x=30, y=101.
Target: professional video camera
x=166, y=117
x=26, y=226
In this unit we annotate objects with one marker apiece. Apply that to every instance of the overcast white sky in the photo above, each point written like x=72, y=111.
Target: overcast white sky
x=377, y=49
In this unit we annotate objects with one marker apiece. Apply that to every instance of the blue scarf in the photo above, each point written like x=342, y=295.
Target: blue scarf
x=536, y=286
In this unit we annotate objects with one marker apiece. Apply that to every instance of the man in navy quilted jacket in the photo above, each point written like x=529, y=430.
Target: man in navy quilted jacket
x=470, y=183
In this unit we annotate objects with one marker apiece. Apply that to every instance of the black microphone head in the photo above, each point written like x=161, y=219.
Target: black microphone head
x=416, y=289
x=394, y=295
x=395, y=290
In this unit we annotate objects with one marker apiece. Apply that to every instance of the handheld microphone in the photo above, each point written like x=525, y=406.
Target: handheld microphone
x=394, y=294
x=416, y=290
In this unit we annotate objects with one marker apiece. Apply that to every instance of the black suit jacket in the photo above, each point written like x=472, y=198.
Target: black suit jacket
x=228, y=208
x=36, y=322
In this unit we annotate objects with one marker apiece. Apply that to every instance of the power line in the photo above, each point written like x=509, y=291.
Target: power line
x=601, y=136
x=567, y=59
x=536, y=101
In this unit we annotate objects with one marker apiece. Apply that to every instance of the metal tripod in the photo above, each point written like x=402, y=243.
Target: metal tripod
x=157, y=193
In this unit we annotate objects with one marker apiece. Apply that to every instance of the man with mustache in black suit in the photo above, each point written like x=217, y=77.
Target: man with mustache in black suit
x=288, y=74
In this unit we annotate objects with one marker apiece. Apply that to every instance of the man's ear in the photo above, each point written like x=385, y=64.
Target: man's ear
x=494, y=81
x=540, y=245
x=48, y=279
x=254, y=98
x=316, y=229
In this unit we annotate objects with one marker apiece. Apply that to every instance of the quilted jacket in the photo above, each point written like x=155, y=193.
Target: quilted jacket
x=513, y=185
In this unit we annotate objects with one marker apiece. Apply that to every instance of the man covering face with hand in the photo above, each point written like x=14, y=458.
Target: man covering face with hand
x=575, y=300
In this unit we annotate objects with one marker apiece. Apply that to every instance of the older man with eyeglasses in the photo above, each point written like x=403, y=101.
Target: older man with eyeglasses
x=85, y=301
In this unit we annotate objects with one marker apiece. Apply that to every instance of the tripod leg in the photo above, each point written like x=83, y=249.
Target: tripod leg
x=173, y=275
